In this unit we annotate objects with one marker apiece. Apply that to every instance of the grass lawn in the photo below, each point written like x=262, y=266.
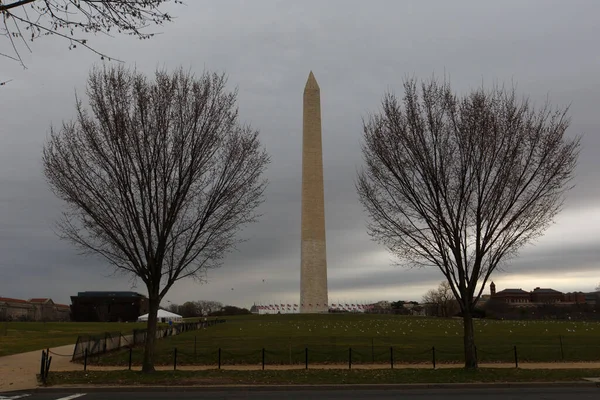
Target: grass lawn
x=315, y=377
x=329, y=337
x=19, y=337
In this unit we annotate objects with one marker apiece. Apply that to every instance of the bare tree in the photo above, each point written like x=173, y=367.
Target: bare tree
x=174, y=308
x=195, y=308
x=462, y=183
x=205, y=307
x=158, y=176
x=441, y=300
x=188, y=309
x=27, y=20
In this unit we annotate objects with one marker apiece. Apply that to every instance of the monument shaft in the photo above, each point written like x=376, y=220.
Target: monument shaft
x=313, y=276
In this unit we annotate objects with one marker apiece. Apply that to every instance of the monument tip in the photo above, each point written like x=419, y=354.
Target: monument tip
x=311, y=83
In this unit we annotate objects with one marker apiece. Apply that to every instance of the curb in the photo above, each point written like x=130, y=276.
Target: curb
x=258, y=388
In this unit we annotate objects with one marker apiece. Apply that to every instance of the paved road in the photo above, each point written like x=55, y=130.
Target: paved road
x=587, y=393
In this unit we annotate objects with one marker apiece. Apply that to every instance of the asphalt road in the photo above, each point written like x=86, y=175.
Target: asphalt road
x=316, y=394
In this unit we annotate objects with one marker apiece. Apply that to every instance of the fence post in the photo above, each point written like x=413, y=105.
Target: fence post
x=433, y=355
x=372, y=351
x=195, y=337
x=263, y=358
x=219, y=358
x=130, y=351
x=75, y=348
x=85, y=354
x=350, y=358
x=43, y=364
x=516, y=358
x=562, y=353
x=392, y=357
x=47, y=369
x=174, y=358
x=306, y=358
x=476, y=358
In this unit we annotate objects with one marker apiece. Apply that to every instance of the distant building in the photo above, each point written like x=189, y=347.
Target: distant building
x=38, y=309
x=512, y=296
x=575, y=298
x=592, y=298
x=539, y=296
x=483, y=299
x=16, y=310
x=47, y=310
x=546, y=296
x=383, y=304
x=108, y=306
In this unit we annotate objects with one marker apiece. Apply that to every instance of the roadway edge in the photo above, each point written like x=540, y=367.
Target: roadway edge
x=208, y=388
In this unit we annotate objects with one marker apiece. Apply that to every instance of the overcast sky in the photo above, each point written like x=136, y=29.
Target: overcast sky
x=357, y=50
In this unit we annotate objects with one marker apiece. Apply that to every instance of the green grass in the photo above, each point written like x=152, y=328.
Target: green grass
x=328, y=338
x=20, y=337
x=316, y=377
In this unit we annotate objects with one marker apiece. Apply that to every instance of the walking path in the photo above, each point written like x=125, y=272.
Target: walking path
x=18, y=371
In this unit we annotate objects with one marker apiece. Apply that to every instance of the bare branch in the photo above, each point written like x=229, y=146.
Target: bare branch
x=32, y=19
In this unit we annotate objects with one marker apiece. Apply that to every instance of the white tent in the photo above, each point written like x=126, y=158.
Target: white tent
x=163, y=316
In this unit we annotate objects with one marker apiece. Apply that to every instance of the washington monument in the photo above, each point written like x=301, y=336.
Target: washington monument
x=313, y=275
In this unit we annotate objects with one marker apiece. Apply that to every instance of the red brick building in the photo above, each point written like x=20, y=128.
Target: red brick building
x=536, y=296
x=575, y=297
x=513, y=296
x=546, y=296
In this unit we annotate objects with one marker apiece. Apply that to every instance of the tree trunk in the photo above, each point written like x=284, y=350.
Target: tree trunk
x=148, y=363
x=469, y=338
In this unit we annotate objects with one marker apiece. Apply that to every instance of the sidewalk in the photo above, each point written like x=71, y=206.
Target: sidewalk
x=18, y=371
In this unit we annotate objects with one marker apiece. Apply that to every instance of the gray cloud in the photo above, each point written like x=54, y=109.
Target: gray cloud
x=357, y=50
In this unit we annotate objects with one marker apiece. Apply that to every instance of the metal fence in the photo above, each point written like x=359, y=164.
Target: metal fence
x=211, y=350
x=381, y=357
x=110, y=341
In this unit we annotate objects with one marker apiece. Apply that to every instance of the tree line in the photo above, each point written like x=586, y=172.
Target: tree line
x=205, y=308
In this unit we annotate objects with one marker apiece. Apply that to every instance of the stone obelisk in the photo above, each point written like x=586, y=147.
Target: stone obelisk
x=313, y=275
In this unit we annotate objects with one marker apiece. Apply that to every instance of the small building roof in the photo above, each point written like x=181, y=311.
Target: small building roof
x=108, y=294
x=546, y=291
x=512, y=292
x=62, y=305
x=9, y=300
x=39, y=300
